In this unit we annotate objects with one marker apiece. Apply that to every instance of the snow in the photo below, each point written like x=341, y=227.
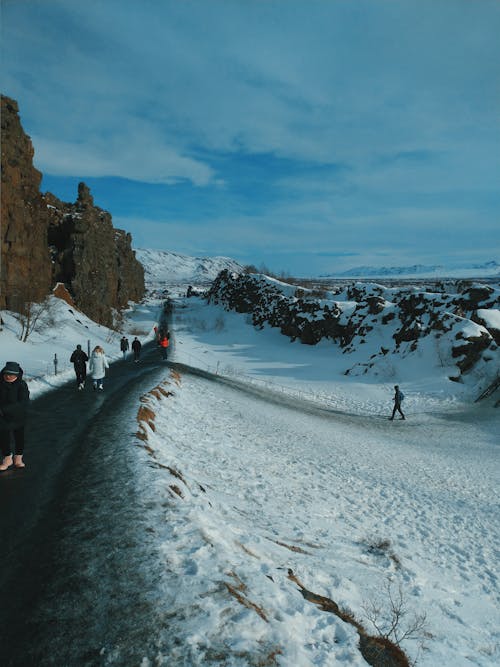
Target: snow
x=278, y=479
x=489, y=269
x=61, y=328
x=491, y=317
x=283, y=463
x=162, y=266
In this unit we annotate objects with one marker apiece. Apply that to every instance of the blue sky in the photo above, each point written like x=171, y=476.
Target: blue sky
x=310, y=136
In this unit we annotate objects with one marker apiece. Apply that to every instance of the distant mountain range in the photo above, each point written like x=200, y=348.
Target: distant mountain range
x=163, y=266
x=483, y=270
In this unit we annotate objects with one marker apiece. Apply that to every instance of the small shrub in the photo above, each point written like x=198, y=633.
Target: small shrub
x=392, y=620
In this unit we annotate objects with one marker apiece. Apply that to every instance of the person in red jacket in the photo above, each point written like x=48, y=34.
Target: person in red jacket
x=164, y=343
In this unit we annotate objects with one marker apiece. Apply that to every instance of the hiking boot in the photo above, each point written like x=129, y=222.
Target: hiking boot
x=18, y=461
x=7, y=462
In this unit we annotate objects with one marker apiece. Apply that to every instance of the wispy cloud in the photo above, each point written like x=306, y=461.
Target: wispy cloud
x=298, y=115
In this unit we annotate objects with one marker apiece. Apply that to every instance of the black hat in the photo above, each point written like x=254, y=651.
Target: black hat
x=11, y=368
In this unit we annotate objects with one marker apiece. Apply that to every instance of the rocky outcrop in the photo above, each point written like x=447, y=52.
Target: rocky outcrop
x=459, y=327
x=26, y=271
x=46, y=241
x=93, y=259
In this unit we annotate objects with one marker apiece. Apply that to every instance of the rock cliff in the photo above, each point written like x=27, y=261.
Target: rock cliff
x=26, y=271
x=93, y=259
x=46, y=241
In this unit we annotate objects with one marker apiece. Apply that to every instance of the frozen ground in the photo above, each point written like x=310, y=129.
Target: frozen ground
x=349, y=501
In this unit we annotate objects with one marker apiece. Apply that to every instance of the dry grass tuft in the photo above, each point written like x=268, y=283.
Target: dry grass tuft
x=377, y=651
x=270, y=659
x=145, y=414
x=292, y=547
x=246, y=603
x=176, y=376
x=379, y=546
x=240, y=585
x=175, y=473
x=176, y=490
x=247, y=551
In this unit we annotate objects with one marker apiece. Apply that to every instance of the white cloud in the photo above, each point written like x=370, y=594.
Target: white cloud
x=132, y=158
x=317, y=81
x=404, y=99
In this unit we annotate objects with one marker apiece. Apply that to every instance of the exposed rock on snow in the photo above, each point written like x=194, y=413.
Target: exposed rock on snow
x=397, y=320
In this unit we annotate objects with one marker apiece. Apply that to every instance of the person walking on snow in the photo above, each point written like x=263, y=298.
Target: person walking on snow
x=14, y=401
x=164, y=343
x=97, y=367
x=124, y=346
x=398, y=397
x=136, y=346
x=79, y=360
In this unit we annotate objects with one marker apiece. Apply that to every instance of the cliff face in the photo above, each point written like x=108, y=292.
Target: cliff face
x=26, y=271
x=46, y=241
x=93, y=259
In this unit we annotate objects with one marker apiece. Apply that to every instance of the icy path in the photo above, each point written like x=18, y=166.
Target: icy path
x=265, y=488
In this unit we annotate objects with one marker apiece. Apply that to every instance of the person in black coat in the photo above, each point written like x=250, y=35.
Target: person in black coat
x=136, y=346
x=124, y=346
x=79, y=360
x=398, y=397
x=14, y=401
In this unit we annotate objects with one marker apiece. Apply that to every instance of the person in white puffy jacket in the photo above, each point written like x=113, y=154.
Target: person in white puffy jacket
x=97, y=367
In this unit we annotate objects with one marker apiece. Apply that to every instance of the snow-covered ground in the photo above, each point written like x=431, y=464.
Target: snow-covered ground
x=356, y=506
x=476, y=270
x=166, y=267
x=45, y=355
x=352, y=503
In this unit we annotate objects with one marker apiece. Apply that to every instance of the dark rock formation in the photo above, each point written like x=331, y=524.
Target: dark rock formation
x=402, y=318
x=46, y=241
x=26, y=271
x=93, y=259
x=470, y=351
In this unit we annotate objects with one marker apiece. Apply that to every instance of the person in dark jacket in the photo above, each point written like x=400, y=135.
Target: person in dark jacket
x=14, y=401
x=124, y=346
x=398, y=397
x=136, y=346
x=79, y=360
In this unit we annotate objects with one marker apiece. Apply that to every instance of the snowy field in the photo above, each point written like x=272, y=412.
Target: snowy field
x=359, y=508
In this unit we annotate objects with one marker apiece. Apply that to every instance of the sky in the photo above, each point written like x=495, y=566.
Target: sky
x=309, y=136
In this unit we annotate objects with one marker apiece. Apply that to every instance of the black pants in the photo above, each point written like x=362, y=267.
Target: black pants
x=81, y=374
x=18, y=434
x=397, y=406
